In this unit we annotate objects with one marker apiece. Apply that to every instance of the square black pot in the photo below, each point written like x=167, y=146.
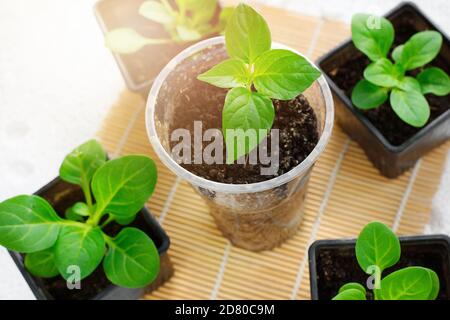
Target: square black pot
x=61, y=195
x=332, y=263
x=391, y=160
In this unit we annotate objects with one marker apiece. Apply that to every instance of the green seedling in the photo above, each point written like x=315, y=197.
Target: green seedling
x=377, y=249
x=114, y=190
x=391, y=78
x=189, y=20
x=255, y=73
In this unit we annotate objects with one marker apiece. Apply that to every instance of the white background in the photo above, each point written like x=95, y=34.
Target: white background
x=57, y=82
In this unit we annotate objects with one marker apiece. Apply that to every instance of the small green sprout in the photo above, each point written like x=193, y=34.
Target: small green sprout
x=53, y=245
x=191, y=20
x=255, y=73
x=377, y=249
x=385, y=78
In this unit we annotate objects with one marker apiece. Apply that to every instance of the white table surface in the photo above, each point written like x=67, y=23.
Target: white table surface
x=57, y=82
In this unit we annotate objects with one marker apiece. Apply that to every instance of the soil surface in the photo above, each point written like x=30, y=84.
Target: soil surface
x=199, y=101
x=347, y=75
x=337, y=266
x=62, y=196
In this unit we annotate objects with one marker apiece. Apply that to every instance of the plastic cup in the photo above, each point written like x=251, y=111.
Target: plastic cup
x=257, y=216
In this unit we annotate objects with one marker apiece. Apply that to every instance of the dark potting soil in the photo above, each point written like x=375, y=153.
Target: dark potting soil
x=297, y=123
x=199, y=101
x=338, y=266
x=347, y=75
x=95, y=283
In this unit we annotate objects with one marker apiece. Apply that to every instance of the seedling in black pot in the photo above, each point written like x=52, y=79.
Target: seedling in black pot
x=389, y=79
x=378, y=248
x=73, y=247
x=145, y=35
x=189, y=20
x=392, y=82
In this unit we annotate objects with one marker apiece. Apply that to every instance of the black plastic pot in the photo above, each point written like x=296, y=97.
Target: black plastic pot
x=61, y=195
x=391, y=160
x=333, y=263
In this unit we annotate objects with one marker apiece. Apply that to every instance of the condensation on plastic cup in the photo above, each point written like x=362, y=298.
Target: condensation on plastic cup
x=244, y=206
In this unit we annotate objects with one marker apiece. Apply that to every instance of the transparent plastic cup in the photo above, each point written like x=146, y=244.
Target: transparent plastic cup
x=257, y=216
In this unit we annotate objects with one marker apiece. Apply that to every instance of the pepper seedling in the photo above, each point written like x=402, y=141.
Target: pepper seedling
x=189, y=20
x=385, y=78
x=255, y=73
x=114, y=190
x=378, y=248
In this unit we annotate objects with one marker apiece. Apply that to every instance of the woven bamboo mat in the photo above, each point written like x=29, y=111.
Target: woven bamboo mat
x=345, y=193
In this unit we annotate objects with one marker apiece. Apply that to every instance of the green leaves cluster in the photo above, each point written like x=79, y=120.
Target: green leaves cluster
x=190, y=20
x=377, y=249
x=274, y=73
x=120, y=188
x=388, y=79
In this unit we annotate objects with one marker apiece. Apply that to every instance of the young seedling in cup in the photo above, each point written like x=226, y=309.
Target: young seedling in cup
x=392, y=79
x=190, y=20
x=255, y=74
x=377, y=249
x=54, y=245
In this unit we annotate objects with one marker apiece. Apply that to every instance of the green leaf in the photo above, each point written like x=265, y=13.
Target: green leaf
x=80, y=165
x=350, y=294
x=247, y=35
x=377, y=246
x=434, y=284
x=127, y=41
x=409, y=84
x=411, y=107
x=412, y=283
x=283, y=74
x=227, y=74
x=124, y=221
x=132, y=260
x=366, y=95
x=156, y=11
x=124, y=41
x=72, y=216
x=205, y=13
x=122, y=186
x=193, y=5
x=434, y=80
x=382, y=73
x=187, y=34
x=225, y=15
x=249, y=111
x=77, y=212
x=79, y=245
x=397, y=53
x=81, y=209
x=420, y=49
x=372, y=35
x=41, y=264
x=353, y=285
x=28, y=224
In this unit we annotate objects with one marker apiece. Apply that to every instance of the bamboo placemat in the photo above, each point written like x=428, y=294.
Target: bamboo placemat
x=345, y=192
